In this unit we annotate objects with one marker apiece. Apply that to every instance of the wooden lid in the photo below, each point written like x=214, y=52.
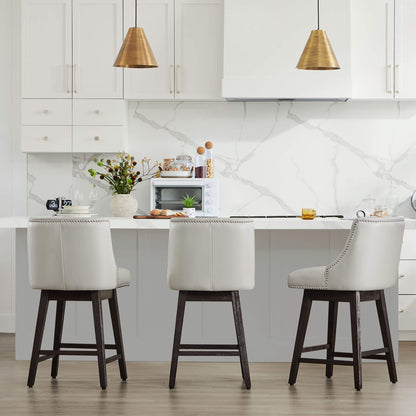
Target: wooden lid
x=200, y=150
x=208, y=145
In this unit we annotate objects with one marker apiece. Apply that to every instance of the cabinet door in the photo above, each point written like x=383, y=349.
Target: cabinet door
x=47, y=139
x=156, y=18
x=405, y=80
x=198, y=49
x=46, y=48
x=372, y=49
x=264, y=39
x=98, y=36
x=98, y=139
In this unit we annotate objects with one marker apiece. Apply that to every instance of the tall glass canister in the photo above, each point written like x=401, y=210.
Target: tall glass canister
x=200, y=168
x=209, y=159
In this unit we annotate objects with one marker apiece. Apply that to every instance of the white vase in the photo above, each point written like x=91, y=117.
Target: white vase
x=123, y=205
x=190, y=212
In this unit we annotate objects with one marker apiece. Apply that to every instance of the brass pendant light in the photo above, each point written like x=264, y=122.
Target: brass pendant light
x=135, y=52
x=318, y=53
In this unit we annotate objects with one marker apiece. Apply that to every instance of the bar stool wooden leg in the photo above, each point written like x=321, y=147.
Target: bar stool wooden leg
x=57, y=339
x=356, y=338
x=177, y=338
x=99, y=336
x=385, y=333
x=239, y=329
x=37, y=342
x=300, y=336
x=332, y=330
x=118, y=338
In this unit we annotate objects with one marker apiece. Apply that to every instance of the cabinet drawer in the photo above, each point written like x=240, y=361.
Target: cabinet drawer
x=47, y=112
x=407, y=277
x=407, y=312
x=98, y=112
x=46, y=139
x=409, y=245
x=96, y=139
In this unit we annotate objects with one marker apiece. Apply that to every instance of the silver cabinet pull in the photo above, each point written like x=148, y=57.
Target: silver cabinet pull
x=45, y=138
x=389, y=75
x=67, y=76
x=96, y=138
x=177, y=79
x=75, y=79
x=397, y=79
x=171, y=67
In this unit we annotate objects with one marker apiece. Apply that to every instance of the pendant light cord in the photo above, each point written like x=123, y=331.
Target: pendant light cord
x=318, y=14
x=135, y=13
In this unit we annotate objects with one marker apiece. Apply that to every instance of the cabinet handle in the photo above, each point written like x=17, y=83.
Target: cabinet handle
x=45, y=138
x=401, y=310
x=397, y=79
x=97, y=111
x=96, y=138
x=177, y=79
x=389, y=74
x=171, y=79
x=67, y=76
x=46, y=111
x=75, y=79
x=401, y=276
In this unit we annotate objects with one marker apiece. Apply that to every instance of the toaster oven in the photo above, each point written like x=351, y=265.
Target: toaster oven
x=168, y=194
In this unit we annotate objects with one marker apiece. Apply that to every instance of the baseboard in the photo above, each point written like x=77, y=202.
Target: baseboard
x=407, y=335
x=7, y=322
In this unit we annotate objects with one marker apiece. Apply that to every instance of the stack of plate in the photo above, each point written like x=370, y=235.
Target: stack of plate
x=77, y=211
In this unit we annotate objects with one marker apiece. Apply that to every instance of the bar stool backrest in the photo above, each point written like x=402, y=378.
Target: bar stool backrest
x=211, y=254
x=370, y=259
x=71, y=254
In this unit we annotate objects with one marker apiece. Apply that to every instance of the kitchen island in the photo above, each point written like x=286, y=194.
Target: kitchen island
x=148, y=307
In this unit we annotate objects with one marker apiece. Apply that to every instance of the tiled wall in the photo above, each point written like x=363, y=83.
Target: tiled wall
x=271, y=157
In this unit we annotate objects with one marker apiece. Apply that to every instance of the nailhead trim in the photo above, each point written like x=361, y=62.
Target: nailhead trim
x=67, y=220
x=351, y=238
x=212, y=220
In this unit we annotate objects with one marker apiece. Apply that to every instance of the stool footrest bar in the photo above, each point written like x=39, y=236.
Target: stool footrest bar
x=86, y=346
x=208, y=346
x=323, y=361
x=316, y=348
x=209, y=353
x=112, y=358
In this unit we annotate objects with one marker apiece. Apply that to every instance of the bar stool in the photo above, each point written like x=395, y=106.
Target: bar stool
x=210, y=260
x=367, y=265
x=72, y=259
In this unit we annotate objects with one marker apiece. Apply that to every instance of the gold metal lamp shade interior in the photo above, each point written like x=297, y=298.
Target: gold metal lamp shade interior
x=318, y=53
x=136, y=51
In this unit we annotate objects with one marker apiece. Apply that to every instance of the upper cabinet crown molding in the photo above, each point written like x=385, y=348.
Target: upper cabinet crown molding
x=69, y=46
x=186, y=37
x=383, y=50
x=263, y=41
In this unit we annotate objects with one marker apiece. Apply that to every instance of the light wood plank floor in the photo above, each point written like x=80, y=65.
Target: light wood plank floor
x=205, y=389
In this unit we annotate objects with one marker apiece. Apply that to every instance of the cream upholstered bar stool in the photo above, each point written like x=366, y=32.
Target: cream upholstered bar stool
x=211, y=260
x=72, y=259
x=367, y=265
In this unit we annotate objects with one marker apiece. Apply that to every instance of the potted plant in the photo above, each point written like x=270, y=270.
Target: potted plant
x=188, y=203
x=123, y=174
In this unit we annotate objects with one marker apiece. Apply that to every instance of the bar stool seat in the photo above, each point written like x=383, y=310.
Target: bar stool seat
x=367, y=265
x=308, y=278
x=211, y=260
x=72, y=259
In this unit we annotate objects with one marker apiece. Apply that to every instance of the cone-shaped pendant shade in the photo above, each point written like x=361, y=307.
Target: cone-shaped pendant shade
x=135, y=51
x=318, y=53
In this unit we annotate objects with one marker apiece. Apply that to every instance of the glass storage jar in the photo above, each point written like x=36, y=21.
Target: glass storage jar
x=181, y=167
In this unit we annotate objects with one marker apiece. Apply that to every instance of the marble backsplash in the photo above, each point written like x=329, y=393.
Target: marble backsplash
x=270, y=157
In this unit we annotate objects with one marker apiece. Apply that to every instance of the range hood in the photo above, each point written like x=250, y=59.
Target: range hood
x=263, y=41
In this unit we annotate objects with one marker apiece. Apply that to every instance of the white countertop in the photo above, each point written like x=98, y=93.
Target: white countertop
x=259, y=223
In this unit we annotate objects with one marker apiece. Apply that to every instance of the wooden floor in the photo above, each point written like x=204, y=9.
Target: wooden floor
x=205, y=389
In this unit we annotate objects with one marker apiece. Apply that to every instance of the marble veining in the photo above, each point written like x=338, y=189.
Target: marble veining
x=271, y=157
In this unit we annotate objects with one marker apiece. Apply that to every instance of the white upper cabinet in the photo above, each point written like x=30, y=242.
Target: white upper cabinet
x=186, y=37
x=405, y=64
x=69, y=47
x=198, y=49
x=46, y=48
x=264, y=39
x=383, y=49
x=157, y=19
x=372, y=49
x=98, y=35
